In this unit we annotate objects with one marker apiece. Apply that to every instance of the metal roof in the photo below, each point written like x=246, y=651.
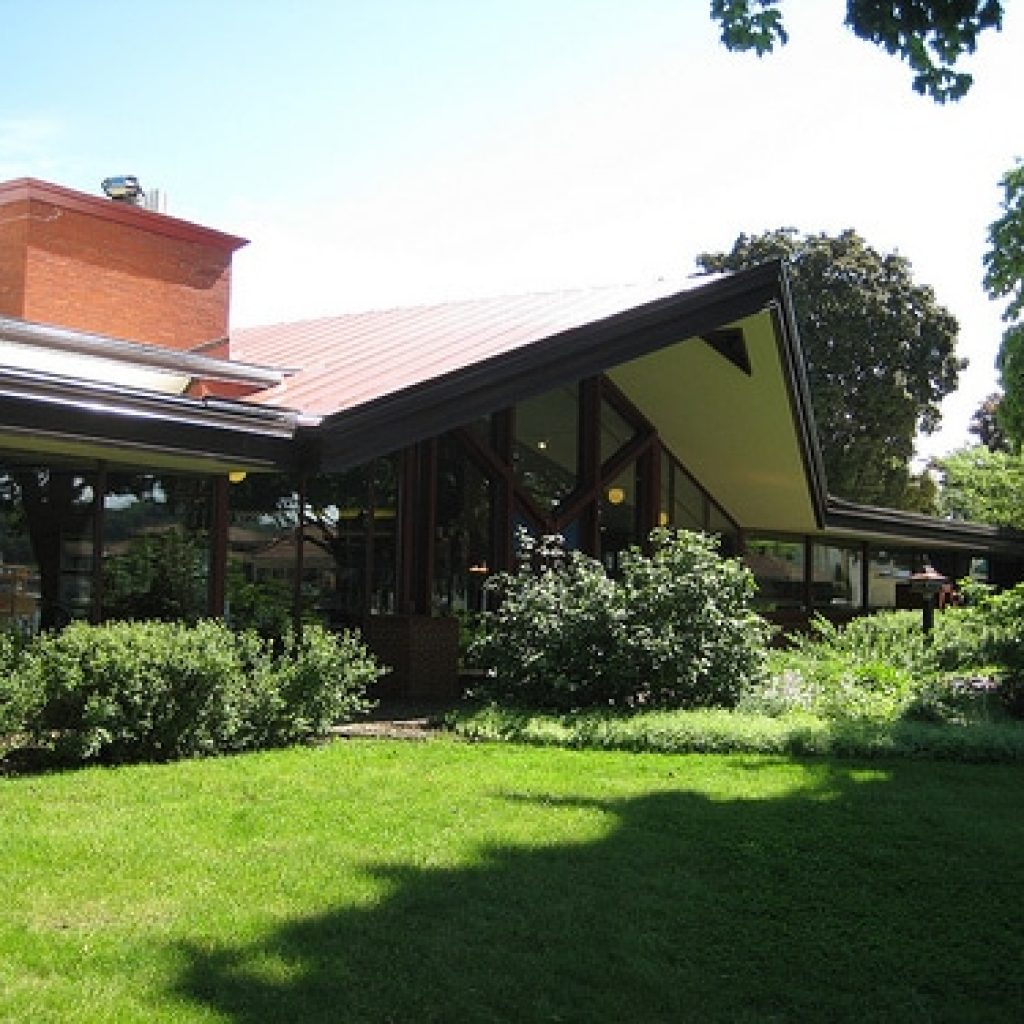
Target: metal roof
x=342, y=362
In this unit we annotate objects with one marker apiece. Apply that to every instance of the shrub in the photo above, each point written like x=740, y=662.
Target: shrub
x=16, y=699
x=321, y=679
x=130, y=691
x=676, y=629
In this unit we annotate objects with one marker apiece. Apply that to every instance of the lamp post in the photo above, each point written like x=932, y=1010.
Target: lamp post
x=928, y=582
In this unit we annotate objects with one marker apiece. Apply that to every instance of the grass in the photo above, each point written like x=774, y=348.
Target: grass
x=724, y=731
x=445, y=881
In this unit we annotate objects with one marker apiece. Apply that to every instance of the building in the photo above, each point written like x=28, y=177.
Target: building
x=415, y=441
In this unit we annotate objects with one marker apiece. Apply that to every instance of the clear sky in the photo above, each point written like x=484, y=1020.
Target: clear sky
x=386, y=152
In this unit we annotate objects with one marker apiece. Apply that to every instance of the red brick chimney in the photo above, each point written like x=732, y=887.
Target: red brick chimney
x=109, y=267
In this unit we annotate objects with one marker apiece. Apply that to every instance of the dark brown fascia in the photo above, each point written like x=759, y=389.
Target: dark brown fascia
x=429, y=409
x=886, y=523
x=44, y=406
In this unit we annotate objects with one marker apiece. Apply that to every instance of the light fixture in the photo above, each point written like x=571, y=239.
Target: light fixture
x=663, y=519
x=542, y=446
x=236, y=476
x=479, y=570
x=616, y=495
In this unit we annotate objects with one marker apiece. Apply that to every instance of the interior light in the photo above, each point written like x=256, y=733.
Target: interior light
x=616, y=495
x=542, y=445
x=663, y=519
x=236, y=476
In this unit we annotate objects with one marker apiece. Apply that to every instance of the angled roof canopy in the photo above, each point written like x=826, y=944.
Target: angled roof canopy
x=732, y=403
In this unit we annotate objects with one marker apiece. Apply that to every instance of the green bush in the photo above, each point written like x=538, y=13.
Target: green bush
x=321, y=679
x=132, y=691
x=16, y=699
x=882, y=667
x=676, y=628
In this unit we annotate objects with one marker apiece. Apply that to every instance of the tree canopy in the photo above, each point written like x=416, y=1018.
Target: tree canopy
x=986, y=425
x=880, y=352
x=930, y=35
x=1004, y=279
x=982, y=486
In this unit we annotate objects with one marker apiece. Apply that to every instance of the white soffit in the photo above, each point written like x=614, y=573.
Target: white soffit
x=76, y=366
x=736, y=433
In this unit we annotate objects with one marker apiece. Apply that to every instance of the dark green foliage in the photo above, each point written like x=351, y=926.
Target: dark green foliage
x=1004, y=279
x=265, y=606
x=160, y=576
x=134, y=691
x=930, y=35
x=987, y=427
x=880, y=354
x=675, y=629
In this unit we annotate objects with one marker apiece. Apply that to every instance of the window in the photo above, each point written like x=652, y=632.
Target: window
x=836, y=579
x=545, y=457
x=463, y=556
x=778, y=566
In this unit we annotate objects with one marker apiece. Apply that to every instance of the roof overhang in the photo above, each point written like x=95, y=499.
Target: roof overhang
x=893, y=527
x=748, y=437
x=74, y=395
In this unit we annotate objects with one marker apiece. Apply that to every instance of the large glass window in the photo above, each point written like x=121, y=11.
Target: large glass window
x=545, y=457
x=778, y=566
x=889, y=571
x=616, y=431
x=837, y=577
x=263, y=550
x=156, y=546
x=46, y=545
x=463, y=556
x=617, y=516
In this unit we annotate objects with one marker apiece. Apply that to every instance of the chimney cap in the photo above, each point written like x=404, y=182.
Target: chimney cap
x=123, y=187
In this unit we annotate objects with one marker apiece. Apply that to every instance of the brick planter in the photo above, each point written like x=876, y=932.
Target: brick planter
x=421, y=651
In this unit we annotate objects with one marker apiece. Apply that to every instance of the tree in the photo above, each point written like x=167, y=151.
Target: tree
x=986, y=425
x=880, y=353
x=982, y=486
x=930, y=35
x=1004, y=278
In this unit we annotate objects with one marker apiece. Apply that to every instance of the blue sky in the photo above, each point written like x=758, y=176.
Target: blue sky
x=389, y=152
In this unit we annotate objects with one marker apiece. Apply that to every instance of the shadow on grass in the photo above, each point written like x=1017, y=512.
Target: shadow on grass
x=882, y=895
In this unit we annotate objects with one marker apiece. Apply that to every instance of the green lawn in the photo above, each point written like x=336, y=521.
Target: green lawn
x=444, y=881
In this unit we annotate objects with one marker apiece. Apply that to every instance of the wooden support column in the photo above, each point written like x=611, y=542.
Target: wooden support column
x=218, y=547
x=99, y=492
x=410, y=505
x=300, y=557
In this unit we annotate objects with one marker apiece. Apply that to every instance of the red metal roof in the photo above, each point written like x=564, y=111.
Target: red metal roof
x=344, y=361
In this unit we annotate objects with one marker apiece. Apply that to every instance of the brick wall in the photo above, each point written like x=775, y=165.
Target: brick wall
x=91, y=264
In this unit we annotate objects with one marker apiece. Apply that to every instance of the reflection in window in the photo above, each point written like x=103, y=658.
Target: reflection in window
x=463, y=556
x=263, y=541
x=837, y=577
x=46, y=546
x=156, y=547
x=618, y=516
x=353, y=517
x=889, y=572
x=778, y=566
x=545, y=457
x=616, y=432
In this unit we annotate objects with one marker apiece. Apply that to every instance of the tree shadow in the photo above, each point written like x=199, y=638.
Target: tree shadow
x=820, y=904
